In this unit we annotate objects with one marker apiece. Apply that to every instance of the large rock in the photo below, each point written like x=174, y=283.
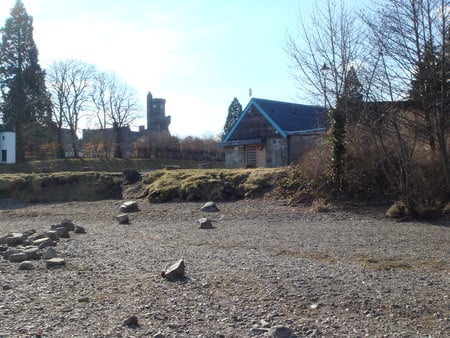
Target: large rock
x=49, y=252
x=123, y=219
x=279, y=331
x=55, y=262
x=79, y=229
x=175, y=271
x=52, y=234
x=13, y=239
x=42, y=243
x=205, y=223
x=129, y=206
x=33, y=253
x=67, y=223
x=62, y=232
x=18, y=257
x=26, y=265
x=209, y=207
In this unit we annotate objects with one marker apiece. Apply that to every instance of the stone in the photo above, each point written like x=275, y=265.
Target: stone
x=79, y=229
x=123, y=219
x=209, y=207
x=67, y=223
x=175, y=271
x=279, y=331
x=55, y=262
x=62, y=232
x=131, y=322
x=159, y=334
x=49, y=252
x=10, y=251
x=18, y=257
x=33, y=253
x=52, y=234
x=205, y=223
x=129, y=206
x=42, y=243
x=14, y=239
x=29, y=233
x=26, y=265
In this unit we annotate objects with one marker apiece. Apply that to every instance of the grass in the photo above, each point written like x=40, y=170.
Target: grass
x=99, y=164
x=209, y=184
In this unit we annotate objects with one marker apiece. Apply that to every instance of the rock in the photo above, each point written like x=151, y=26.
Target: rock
x=67, y=223
x=123, y=219
x=29, y=233
x=49, y=252
x=42, y=243
x=62, y=232
x=14, y=239
x=131, y=322
x=79, y=229
x=55, y=262
x=9, y=252
x=26, y=265
x=3, y=247
x=33, y=253
x=83, y=300
x=209, y=207
x=52, y=234
x=18, y=257
x=205, y=223
x=158, y=335
x=279, y=331
x=175, y=271
x=129, y=206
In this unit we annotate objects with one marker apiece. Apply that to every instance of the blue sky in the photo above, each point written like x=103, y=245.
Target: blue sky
x=197, y=54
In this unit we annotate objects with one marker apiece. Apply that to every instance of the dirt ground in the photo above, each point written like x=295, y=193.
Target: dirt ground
x=334, y=274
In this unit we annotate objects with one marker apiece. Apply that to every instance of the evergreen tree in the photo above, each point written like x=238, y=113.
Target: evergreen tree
x=347, y=111
x=25, y=101
x=234, y=111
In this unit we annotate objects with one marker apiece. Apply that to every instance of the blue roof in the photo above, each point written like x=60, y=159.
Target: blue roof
x=287, y=118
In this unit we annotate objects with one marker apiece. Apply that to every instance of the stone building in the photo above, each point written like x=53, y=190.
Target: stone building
x=101, y=142
x=273, y=133
x=157, y=121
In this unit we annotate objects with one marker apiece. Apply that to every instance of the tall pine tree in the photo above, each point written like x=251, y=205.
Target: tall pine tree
x=234, y=111
x=25, y=100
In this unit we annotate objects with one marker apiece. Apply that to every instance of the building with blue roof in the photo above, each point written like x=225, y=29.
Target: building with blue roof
x=273, y=133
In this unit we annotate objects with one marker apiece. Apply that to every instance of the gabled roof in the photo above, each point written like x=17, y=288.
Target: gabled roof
x=285, y=117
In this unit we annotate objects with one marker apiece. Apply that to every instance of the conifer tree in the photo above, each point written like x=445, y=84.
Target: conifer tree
x=234, y=111
x=25, y=100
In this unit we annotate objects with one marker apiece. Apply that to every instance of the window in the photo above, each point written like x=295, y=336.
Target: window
x=250, y=156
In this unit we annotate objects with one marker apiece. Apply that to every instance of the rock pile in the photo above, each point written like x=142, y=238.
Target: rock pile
x=28, y=246
x=128, y=206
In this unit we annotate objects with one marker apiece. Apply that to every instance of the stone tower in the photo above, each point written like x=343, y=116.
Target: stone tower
x=157, y=121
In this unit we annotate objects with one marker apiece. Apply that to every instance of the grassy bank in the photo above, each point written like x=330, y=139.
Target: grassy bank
x=100, y=164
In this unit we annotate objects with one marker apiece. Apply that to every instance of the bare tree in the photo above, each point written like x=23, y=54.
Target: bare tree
x=411, y=62
x=116, y=106
x=69, y=84
x=323, y=53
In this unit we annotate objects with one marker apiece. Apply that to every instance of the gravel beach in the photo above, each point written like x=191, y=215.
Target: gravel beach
x=262, y=265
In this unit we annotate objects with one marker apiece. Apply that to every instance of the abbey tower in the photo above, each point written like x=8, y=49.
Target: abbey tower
x=157, y=121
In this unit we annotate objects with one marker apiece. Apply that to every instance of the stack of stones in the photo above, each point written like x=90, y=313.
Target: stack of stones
x=125, y=208
x=28, y=246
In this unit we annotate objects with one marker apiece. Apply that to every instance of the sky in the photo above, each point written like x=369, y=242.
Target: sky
x=196, y=54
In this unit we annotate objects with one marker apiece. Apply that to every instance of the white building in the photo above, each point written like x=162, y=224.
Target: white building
x=7, y=147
